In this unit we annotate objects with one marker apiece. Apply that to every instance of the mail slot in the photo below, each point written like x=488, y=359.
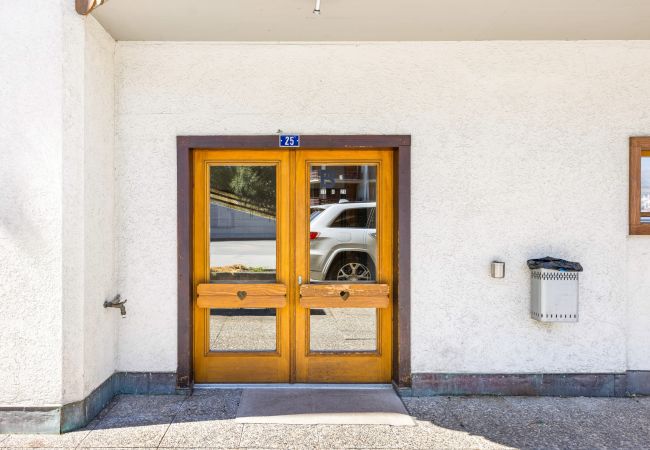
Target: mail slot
x=212, y=295
x=344, y=296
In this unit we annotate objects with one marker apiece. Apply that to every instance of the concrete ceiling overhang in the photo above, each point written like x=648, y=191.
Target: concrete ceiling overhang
x=374, y=20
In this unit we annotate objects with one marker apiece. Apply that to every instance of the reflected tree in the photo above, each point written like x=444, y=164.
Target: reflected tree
x=254, y=185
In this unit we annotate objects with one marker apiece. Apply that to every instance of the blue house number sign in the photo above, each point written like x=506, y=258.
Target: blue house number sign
x=289, y=140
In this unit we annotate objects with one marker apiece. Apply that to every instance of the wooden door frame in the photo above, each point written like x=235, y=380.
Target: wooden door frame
x=401, y=144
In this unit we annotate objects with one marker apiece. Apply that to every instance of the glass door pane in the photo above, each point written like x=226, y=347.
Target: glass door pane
x=242, y=223
x=343, y=330
x=342, y=230
x=343, y=249
x=243, y=250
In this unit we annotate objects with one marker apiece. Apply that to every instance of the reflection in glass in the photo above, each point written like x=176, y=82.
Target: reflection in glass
x=645, y=188
x=242, y=330
x=242, y=223
x=342, y=234
x=343, y=330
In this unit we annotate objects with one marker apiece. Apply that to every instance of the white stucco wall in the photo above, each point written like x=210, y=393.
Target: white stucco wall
x=89, y=330
x=73, y=223
x=519, y=151
x=30, y=203
x=56, y=204
x=638, y=312
x=101, y=325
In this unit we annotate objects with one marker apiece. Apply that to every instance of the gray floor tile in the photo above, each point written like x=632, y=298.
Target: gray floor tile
x=542, y=422
x=205, y=420
x=121, y=448
x=127, y=432
x=355, y=436
x=146, y=405
x=434, y=409
x=67, y=440
x=426, y=436
x=279, y=436
x=202, y=434
x=422, y=436
x=217, y=405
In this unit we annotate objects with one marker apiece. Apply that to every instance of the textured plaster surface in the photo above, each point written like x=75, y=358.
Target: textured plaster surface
x=31, y=262
x=519, y=151
x=638, y=313
x=73, y=221
x=89, y=330
x=101, y=325
x=56, y=206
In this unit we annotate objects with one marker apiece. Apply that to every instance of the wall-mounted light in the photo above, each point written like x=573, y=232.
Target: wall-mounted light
x=498, y=269
x=317, y=8
x=84, y=7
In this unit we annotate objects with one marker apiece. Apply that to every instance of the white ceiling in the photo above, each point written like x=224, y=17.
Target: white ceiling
x=374, y=20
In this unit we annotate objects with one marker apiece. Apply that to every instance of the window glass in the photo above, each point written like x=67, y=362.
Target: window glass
x=243, y=250
x=343, y=249
x=372, y=220
x=343, y=330
x=342, y=229
x=242, y=223
x=352, y=218
x=314, y=213
x=243, y=330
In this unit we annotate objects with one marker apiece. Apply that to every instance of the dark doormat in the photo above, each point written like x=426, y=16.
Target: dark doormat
x=323, y=406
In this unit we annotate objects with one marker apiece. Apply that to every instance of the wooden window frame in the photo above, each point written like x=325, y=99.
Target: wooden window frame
x=639, y=147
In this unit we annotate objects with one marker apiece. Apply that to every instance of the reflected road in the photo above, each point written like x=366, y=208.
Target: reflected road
x=248, y=253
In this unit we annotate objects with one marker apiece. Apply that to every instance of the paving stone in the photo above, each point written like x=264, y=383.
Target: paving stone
x=355, y=436
x=67, y=440
x=434, y=409
x=146, y=405
x=426, y=436
x=215, y=405
x=121, y=448
x=542, y=422
x=202, y=434
x=138, y=431
x=257, y=435
x=423, y=436
x=205, y=420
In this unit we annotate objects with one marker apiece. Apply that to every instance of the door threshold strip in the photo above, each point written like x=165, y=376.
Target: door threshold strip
x=206, y=386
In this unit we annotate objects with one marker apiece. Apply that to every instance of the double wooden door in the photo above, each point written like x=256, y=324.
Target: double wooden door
x=292, y=265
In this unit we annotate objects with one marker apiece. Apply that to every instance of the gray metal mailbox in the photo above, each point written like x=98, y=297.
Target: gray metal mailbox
x=554, y=295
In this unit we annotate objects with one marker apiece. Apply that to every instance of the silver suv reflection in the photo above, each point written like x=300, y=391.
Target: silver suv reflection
x=343, y=241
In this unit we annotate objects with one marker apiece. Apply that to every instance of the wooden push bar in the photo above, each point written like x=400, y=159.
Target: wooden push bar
x=231, y=296
x=344, y=296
